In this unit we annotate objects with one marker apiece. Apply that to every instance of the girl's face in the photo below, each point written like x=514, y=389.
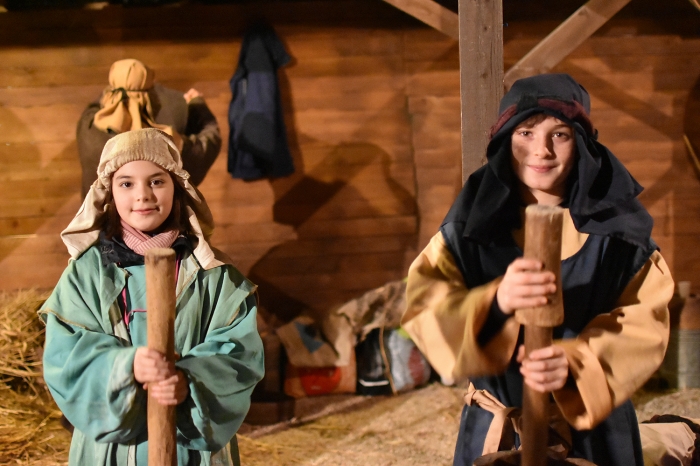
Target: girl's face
x=544, y=150
x=143, y=194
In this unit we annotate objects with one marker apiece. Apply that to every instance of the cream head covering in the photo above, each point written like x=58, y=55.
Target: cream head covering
x=125, y=104
x=152, y=145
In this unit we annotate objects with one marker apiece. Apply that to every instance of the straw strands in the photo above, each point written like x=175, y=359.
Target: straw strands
x=414, y=428
x=30, y=429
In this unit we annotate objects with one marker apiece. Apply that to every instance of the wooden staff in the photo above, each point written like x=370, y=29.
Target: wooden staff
x=543, y=226
x=160, y=303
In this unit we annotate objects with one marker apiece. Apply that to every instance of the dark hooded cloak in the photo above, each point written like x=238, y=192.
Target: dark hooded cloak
x=601, y=197
x=602, y=194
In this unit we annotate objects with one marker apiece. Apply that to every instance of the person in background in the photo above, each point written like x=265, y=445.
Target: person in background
x=133, y=101
x=465, y=286
x=96, y=362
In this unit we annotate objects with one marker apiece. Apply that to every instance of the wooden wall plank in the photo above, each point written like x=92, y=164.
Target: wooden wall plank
x=375, y=118
x=564, y=39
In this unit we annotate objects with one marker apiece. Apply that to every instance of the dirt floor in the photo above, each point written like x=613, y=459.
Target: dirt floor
x=414, y=428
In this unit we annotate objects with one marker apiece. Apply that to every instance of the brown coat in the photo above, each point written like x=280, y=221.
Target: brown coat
x=194, y=121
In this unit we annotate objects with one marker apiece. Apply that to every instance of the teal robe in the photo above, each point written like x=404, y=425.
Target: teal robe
x=89, y=355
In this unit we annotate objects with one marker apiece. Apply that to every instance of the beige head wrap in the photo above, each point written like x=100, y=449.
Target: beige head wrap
x=125, y=104
x=154, y=146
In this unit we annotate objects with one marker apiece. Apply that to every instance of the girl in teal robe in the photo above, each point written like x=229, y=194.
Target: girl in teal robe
x=96, y=363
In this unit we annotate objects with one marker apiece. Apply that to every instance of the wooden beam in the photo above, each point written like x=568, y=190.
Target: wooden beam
x=692, y=154
x=431, y=13
x=481, y=76
x=564, y=39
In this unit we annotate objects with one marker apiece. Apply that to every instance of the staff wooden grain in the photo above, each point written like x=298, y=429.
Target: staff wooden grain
x=160, y=302
x=543, y=228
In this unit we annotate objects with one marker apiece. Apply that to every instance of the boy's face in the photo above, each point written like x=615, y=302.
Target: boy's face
x=143, y=194
x=543, y=153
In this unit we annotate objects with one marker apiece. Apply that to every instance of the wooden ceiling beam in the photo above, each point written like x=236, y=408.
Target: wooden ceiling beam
x=564, y=39
x=431, y=13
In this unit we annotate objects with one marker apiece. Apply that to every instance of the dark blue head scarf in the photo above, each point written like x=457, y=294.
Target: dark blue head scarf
x=601, y=194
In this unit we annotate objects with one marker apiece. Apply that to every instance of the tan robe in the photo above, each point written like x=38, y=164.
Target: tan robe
x=609, y=360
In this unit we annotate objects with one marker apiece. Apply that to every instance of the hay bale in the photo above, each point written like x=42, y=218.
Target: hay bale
x=29, y=419
x=21, y=339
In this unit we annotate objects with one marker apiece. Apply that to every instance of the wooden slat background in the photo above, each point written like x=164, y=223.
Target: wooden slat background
x=372, y=108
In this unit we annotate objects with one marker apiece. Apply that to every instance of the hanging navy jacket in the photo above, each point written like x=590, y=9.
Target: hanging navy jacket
x=257, y=138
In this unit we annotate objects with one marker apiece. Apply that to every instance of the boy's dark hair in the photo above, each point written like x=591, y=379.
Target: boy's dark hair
x=177, y=220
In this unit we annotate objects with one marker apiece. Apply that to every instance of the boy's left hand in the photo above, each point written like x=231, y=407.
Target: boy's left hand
x=544, y=369
x=171, y=391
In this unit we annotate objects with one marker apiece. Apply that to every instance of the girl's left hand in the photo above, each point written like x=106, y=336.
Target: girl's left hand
x=544, y=369
x=171, y=391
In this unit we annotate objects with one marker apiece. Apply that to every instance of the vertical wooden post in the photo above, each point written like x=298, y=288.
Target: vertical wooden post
x=543, y=227
x=160, y=303
x=480, y=74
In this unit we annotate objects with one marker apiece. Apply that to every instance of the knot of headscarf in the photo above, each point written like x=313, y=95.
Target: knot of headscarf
x=125, y=104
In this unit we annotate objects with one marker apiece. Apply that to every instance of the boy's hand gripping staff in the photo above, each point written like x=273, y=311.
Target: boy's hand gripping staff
x=543, y=229
x=160, y=302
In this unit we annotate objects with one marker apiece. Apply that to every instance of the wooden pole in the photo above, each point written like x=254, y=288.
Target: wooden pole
x=543, y=227
x=431, y=13
x=480, y=76
x=160, y=303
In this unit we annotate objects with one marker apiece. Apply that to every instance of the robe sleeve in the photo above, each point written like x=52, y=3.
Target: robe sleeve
x=618, y=351
x=445, y=319
x=202, y=140
x=222, y=371
x=88, y=371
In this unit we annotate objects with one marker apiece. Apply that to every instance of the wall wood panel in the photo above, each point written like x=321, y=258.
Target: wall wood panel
x=372, y=108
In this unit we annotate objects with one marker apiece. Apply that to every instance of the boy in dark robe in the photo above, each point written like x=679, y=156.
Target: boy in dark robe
x=464, y=288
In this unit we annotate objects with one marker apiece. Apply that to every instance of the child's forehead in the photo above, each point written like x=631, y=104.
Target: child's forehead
x=140, y=167
x=541, y=119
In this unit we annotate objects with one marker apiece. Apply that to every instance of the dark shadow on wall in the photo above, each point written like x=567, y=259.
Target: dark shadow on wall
x=34, y=192
x=674, y=188
x=642, y=111
x=306, y=201
x=299, y=206
x=691, y=120
x=686, y=245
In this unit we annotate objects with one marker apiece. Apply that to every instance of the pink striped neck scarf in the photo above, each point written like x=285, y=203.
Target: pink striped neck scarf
x=140, y=242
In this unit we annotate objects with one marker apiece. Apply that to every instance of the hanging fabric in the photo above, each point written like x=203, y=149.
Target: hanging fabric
x=257, y=137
